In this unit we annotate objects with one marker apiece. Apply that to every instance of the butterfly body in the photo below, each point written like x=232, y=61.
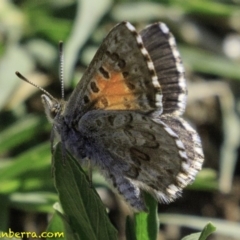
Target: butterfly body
x=125, y=116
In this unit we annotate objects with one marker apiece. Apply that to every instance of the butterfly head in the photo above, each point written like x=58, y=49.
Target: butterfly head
x=53, y=107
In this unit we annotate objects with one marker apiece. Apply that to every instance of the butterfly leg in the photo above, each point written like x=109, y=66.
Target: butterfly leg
x=52, y=151
x=90, y=172
x=131, y=193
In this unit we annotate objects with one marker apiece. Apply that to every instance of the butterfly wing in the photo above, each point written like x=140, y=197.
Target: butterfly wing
x=162, y=49
x=137, y=153
x=108, y=117
x=121, y=76
x=189, y=138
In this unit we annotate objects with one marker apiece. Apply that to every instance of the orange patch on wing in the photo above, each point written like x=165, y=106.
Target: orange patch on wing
x=115, y=92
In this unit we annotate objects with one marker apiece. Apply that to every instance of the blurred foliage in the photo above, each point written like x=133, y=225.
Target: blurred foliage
x=208, y=36
x=83, y=211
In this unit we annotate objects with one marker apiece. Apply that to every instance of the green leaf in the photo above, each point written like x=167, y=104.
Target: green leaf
x=34, y=201
x=27, y=164
x=205, y=180
x=147, y=223
x=211, y=8
x=225, y=228
x=81, y=204
x=56, y=225
x=60, y=224
x=130, y=229
x=42, y=19
x=208, y=229
x=80, y=33
x=23, y=130
x=194, y=236
x=5, y=213
x=14, y=58
x=211, y=63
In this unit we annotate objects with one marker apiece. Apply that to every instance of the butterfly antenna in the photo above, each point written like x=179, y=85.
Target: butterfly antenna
x=33, y=84
x=61, y=67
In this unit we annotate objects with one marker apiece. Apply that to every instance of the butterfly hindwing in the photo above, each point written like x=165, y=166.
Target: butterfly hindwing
x=162, y=49
x=190, y=139
x=134, y=150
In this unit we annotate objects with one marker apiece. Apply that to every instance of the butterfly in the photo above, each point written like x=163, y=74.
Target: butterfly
x=124, y=116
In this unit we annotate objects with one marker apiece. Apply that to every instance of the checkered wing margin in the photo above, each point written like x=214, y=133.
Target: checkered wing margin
x=162, y=49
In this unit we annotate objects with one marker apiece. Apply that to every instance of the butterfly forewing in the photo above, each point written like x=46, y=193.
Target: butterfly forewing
x=121, y=76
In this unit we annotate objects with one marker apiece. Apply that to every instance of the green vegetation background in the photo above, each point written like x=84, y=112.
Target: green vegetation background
x=29, y=36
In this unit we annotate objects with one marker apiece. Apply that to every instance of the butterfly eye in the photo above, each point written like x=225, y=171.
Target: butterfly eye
x=52, y=107
x=54, y=110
